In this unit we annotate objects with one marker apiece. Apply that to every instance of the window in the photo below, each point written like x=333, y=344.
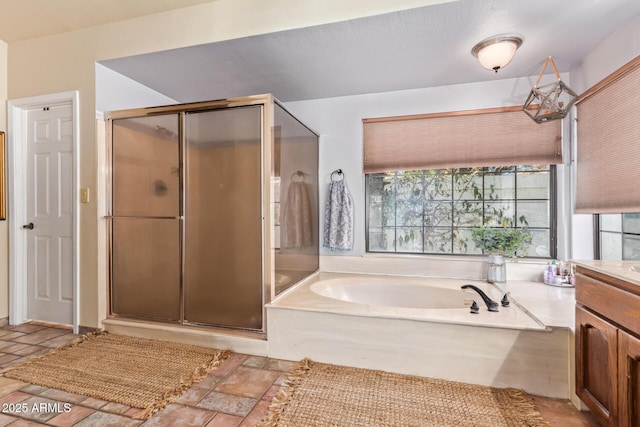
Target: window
x=432, y=178
x=618, y=236
x=433, y=211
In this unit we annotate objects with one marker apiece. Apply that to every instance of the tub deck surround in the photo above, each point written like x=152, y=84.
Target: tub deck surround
x=511, y=348
x=552, y=305
x=308, y=296
x=472, y=268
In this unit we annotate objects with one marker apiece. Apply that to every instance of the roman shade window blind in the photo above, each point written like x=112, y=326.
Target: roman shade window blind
x=608, y=144
x=488, y=137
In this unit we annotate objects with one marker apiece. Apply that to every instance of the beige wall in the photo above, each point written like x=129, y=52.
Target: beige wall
x=4, y=238
x=66, y=62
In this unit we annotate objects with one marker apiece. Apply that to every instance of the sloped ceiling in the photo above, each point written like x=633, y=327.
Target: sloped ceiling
x=417, y=48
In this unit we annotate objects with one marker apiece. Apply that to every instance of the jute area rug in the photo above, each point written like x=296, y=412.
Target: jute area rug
x=137, y=372
x=322, y=395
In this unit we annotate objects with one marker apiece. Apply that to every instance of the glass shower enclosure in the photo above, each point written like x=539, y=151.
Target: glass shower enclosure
x=213, y=210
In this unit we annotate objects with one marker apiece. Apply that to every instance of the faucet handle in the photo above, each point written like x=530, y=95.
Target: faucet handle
x=491, y=304
x=474, y=308
x=505, y=300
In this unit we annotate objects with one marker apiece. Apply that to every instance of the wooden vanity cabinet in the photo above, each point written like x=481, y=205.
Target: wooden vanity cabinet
x=629, y=379
x=596, y=365
x=608, y=347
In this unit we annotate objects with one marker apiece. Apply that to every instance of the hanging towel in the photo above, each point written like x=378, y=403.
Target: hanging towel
x=296, y=217
x=338, y=218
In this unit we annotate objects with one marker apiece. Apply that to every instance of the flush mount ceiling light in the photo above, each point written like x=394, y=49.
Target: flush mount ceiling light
x=497, y=51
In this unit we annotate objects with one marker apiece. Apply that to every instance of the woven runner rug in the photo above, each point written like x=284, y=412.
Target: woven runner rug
x=322, y=395
x=137, y=372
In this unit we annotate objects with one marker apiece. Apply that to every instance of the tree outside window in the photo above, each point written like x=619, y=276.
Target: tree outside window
x=433, y=211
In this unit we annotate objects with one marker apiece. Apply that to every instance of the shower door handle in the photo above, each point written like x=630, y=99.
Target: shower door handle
x=28, y=226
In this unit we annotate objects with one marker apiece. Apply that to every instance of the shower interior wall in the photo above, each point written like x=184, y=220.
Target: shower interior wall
x=204, y=246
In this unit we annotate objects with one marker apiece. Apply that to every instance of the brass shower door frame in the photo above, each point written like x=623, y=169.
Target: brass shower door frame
x=266, y=101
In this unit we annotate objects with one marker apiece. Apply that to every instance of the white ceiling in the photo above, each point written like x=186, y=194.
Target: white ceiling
x=417, y=48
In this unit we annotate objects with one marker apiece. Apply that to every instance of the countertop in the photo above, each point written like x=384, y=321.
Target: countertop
x=629, y=271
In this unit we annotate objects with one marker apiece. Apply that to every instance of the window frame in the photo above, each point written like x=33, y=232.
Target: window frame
x=553, y=220
x=597, y=237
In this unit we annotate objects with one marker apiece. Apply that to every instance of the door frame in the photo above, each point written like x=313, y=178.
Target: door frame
x=17, y=200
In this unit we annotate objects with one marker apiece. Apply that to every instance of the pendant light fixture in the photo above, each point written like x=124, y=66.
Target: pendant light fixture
x=550, y=101
x=496, y=52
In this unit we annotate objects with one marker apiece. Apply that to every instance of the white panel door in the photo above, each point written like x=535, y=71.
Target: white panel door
x=50, y=214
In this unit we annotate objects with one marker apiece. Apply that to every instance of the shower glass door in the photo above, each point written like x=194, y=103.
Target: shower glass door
x=145, y=234
x=223, y=218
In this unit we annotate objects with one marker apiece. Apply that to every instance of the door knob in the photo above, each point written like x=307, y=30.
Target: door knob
x=28, y=226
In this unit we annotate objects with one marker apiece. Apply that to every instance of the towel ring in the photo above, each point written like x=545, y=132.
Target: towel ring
x=337, y=172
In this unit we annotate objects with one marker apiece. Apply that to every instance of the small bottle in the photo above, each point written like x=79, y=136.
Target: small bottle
x=551, y=277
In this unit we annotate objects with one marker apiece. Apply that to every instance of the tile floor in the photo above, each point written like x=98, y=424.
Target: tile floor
x=236, y=394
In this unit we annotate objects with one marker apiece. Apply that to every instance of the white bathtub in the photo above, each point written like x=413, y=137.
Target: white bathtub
x=418, y=326
x=392, y=292
x=427, y=299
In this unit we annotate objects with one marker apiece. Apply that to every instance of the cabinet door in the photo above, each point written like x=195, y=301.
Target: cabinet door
x=596, y=365
x=629, y=380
